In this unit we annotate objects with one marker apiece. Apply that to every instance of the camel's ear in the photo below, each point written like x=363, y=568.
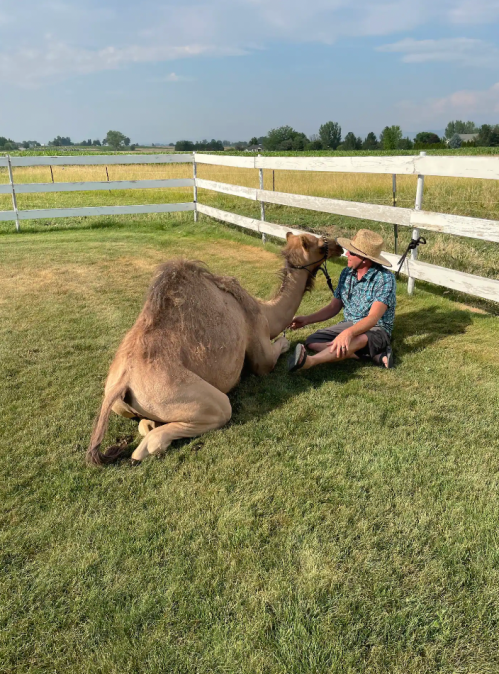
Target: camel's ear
x=304, y=242
x=288, y=234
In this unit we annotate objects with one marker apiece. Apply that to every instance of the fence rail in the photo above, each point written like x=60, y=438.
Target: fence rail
x=464, y=167
x=457, y=167
x=443, y=223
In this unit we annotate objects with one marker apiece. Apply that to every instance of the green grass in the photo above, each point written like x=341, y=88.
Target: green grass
x=346, y=520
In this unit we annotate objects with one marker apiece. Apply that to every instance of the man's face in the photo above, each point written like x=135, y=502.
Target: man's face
x=354, y=261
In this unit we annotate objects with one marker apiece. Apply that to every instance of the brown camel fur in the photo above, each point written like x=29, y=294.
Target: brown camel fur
x=188, y=346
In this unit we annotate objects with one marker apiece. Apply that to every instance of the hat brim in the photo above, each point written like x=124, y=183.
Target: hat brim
x=348, y=245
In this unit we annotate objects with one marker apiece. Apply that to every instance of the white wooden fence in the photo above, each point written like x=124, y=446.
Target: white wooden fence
x=457, y=166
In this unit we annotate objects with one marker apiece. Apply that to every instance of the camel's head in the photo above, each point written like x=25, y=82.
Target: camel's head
x=307, y=249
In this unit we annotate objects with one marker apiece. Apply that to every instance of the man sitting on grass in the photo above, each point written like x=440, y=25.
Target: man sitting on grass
x=366, y=292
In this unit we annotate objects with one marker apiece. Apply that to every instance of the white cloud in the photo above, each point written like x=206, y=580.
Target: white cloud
x=31, y=67
x=462, y=51
x=464, y=102
x=173, y=77
x=156, y=31
x=471, y=11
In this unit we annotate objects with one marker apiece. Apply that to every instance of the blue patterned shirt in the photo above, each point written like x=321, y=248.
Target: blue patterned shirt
x=377, y=285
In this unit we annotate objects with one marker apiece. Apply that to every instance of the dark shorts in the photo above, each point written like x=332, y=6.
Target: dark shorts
x=377, y=338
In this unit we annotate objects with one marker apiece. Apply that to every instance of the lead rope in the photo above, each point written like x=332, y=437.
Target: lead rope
x=412, y=246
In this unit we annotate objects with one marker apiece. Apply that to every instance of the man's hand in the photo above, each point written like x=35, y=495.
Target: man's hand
x=298, y=322
x=341, y=345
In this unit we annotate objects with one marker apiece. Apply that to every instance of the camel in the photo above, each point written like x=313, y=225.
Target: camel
x=187, y=349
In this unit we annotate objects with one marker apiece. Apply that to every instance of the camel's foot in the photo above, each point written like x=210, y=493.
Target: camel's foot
x=285, y=344
x=146, y=426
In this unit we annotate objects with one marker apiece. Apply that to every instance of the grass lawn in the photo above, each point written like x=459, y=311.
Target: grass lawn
x=346, y=520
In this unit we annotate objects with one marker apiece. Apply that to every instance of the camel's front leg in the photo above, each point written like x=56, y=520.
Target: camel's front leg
x=263, y=354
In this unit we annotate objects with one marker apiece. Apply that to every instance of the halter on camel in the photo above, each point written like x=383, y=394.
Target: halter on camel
x=322, y=267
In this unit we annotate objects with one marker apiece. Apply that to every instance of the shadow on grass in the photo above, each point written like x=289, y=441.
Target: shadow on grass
x=417, y=330
x=256, y=397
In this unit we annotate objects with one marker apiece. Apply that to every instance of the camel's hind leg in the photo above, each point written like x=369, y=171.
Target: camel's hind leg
x=202, y=408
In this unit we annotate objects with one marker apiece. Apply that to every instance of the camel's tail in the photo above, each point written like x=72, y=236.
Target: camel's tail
x=94, y=455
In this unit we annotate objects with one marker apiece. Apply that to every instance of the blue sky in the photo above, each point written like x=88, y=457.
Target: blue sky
x=231, y=69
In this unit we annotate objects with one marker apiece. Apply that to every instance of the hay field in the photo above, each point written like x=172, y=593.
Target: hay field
x=460, y=196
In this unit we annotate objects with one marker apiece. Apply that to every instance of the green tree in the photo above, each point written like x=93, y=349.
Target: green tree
x=459, y=126
x=184, y=146
x=7, y=144
x=391, y=137
x=97, y=143
x=61, y=141
x=116, y=140
x=351, y=142
x=427, y=138
x=254, y=141
x=484, y=134
x=300, y=141
x=330, y=135
x=494, y=137
x=282, y=138
x=314, y=145
x=406, y=144
x=370, y=142
x=455, y=141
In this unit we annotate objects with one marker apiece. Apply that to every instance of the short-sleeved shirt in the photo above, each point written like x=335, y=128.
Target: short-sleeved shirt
x=377, y=285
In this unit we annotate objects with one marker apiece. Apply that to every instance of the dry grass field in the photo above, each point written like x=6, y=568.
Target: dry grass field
x=460, y=196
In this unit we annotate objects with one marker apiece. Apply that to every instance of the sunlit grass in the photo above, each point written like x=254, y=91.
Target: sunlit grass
x=345, y=521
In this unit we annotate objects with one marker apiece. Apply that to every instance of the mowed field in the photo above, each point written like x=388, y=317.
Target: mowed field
x=345, y=521
x=475, y=198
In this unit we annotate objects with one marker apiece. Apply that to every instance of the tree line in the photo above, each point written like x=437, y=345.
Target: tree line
x=114, y=139
x=285, y=138
x=189, y=146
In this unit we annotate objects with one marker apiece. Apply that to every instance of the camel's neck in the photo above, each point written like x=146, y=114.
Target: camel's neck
x=280, y=311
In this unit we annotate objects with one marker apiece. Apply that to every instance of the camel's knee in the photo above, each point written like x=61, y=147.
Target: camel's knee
x=216, y=413
x=225, y=412
x=123, y=410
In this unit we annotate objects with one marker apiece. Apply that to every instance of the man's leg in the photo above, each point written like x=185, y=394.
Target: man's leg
x=324, y=355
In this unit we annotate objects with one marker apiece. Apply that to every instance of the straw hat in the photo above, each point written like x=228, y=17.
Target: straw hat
x=366, y=244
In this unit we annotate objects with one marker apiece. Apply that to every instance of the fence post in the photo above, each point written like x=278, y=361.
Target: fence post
x=195, y=175
x=262, y=204
x=14, y=199
x=395, y=227
x=415, y=231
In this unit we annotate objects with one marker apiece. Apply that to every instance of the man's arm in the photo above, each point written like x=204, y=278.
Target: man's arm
x=378, y=309
x=329, y=311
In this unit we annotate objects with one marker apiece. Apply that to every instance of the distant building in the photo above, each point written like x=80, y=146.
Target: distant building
x=253, y=148
x=466, y=137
